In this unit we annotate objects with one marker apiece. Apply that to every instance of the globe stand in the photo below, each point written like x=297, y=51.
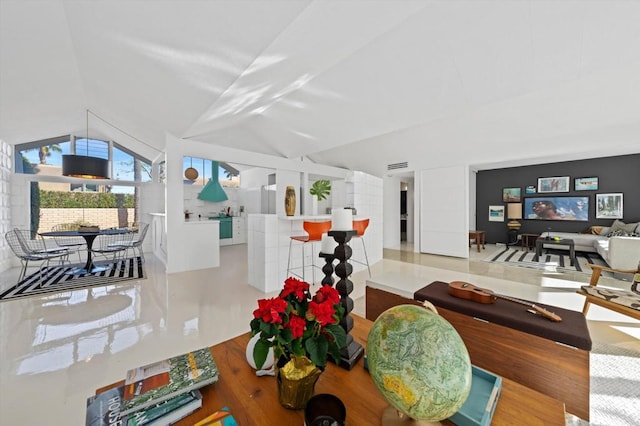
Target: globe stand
x=393, y=417
x=350, y=355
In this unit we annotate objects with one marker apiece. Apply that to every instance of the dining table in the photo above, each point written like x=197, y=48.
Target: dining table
x=89, y=238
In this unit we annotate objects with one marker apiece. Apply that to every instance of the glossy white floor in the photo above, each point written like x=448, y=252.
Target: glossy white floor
x=56, y=350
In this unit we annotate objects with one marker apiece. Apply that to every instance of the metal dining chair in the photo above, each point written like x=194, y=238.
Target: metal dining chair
x=33, y=250
x=139, y=232
x=112, y=246
x=74, y=244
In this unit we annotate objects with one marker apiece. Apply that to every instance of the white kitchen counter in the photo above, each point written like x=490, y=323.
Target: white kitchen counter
x=202, y=221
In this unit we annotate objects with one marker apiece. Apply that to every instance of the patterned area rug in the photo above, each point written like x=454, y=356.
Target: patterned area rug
x=56, y=278
x=615, y=385
x=551, y=260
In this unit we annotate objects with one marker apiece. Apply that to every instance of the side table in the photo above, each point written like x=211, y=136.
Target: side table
x=540, y=242
x=528, y=241
x=479, y=237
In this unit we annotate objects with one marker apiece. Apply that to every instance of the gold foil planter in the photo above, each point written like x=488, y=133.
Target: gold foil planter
x=296, y=382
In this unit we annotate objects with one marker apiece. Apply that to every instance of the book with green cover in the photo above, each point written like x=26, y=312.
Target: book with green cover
x=166, y=412
x=187, y=372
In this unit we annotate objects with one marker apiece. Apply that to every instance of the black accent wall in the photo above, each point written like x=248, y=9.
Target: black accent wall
x=620, y=174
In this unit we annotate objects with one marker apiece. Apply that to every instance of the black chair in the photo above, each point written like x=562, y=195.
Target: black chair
x=33, y=250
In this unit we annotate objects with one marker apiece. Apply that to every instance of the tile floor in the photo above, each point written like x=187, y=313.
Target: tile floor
x=56, y=350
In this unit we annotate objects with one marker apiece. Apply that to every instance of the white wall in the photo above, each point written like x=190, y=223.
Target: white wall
x=391, y=211
x=6, y=165
x=411, y=218
x=472, y=198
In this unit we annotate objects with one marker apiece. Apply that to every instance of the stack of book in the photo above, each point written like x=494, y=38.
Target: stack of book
x=160, y=393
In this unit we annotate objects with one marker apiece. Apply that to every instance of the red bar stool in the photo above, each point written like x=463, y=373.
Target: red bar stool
x=314, y=234
x=360, y=226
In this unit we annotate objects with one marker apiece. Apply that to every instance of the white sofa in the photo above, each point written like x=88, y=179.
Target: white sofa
x=619, y=252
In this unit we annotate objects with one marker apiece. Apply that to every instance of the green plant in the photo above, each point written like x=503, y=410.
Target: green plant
x=321, y=189
x=296, y=325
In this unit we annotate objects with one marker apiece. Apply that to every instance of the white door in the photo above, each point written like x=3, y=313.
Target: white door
x=444, y=212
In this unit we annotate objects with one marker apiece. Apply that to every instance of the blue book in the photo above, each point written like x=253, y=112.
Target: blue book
x=104, y=409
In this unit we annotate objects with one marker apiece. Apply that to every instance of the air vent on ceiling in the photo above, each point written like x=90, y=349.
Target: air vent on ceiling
x=395, y=166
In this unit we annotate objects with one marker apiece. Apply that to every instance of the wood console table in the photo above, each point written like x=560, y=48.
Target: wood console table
x=254, y=400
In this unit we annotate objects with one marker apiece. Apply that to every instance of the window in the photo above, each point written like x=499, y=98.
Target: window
x=44, y=157
x=228, y=176
x=87, y=201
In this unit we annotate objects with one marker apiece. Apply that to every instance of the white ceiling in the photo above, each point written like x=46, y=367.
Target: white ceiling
x=356, y=84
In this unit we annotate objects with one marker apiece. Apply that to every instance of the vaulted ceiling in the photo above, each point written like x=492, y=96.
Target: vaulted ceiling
x=356, y=84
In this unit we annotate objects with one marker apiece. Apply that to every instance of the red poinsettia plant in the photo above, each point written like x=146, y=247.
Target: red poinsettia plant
x=295, y=324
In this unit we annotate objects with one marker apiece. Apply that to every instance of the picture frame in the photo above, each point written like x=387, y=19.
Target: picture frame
x=574, y=208
x=553, y=184
x=496, y=213
x=609, y=206
x=585, y=184
x=511, y=195
x=530, y=189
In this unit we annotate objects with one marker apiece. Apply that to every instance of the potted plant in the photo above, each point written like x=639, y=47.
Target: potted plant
x=321, y=189
x=303, y=331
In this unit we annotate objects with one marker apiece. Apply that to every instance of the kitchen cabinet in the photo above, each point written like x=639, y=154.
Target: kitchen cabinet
x=239, y=230
x=226, y=230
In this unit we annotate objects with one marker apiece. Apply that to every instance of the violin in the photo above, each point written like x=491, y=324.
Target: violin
x=464, y=290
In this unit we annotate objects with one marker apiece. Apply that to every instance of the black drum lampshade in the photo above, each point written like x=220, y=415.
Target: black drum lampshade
x=85, y=167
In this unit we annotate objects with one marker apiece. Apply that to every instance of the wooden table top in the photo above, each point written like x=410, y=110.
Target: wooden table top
x=254, y=400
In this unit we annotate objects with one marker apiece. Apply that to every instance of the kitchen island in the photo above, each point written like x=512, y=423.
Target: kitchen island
x=268, y=251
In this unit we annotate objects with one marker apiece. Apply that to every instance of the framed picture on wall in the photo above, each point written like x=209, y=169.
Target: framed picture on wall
x=530, y=189
x=586, y=184
x=556, y=208
x=496, y=213
x=510, y=195
x=553, y=184
x=608, y=206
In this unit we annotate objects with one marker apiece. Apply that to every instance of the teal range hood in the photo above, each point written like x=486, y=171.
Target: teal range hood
x=213, y=191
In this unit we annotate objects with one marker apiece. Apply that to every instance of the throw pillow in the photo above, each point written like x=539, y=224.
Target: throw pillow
x=620, y=225
x=622, y=233
x=594, y=230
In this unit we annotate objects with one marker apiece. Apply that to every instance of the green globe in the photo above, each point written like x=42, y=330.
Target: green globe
x=419, y=362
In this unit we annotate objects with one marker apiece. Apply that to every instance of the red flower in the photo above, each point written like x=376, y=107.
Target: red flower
x=269, y=310
x=327, y=293
x=296, y=287
x=296, y=325
x=323, y=312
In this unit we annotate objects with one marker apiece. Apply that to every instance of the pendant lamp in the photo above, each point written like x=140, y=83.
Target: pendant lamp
x=85, y=166
x=191, y=173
